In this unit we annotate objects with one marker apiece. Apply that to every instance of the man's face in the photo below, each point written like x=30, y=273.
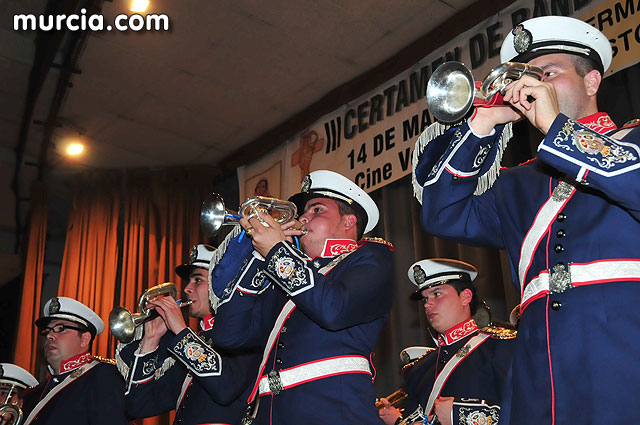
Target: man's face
x=322, y=221
x=61, y=346
x=445, y=308
x=197, y=290
x=571, y=88
x=4, y=392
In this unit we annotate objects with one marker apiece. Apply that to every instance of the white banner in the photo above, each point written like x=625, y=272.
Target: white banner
x=370, y=139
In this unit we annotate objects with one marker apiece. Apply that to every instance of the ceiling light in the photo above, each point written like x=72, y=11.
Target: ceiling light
x=75, y=149
x=139, y=6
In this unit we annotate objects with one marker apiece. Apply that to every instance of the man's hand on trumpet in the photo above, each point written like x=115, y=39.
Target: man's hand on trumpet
x=266, y=236
x=527, y=97
x=536, y=100
x=169, y=310
x=170, y=318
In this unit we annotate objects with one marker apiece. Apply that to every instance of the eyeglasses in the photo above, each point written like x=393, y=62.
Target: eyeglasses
x=56, y=329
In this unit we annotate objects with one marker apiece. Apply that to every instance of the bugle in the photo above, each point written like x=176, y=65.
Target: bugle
x=451, y=90
x=123, y=323
x=10, y=414
x=394, y=398
x=214, y=215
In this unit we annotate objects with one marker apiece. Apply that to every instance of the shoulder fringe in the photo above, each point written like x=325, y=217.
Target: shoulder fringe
x=434, y=130
x=215, y=259
x=166, y=365
x=487, y=179
x=120, y=363
x=498, y=332
x=123, y=368
x=437, y=129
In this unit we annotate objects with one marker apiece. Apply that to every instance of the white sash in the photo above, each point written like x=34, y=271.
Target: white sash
x=546, y=215
x=69, y=379
x=273, y=336
x=448, y=368
x=185, y=385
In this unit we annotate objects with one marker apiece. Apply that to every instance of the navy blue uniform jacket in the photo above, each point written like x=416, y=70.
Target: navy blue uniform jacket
x=184, y=373
x=578, y=338
x=340, y=309
x=477, y=383
x=94, y=398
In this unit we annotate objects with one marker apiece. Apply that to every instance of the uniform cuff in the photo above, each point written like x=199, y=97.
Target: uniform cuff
x=289, y=268
x=576, y=150
x=195, y=354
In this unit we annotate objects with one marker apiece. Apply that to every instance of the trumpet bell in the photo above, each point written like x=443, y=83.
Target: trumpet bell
x=122, y=324
x=450, y=92
x=212, y=214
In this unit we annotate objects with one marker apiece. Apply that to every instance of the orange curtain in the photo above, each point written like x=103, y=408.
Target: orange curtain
x=161, y=224
x=90, y=261
x=26, y=354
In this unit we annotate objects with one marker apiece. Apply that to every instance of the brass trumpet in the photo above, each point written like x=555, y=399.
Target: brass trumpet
x=394, y=398
x=214, y=215
x=10, y=414
x=451, y=90
x=123, y=323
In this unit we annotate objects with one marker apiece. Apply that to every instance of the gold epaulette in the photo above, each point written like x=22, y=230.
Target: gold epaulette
x=498, y=332
x=104, y=360
x=377, y=240
x=631, y=123
x=409, y=365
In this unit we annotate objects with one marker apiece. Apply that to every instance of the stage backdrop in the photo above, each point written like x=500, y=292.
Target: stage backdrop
x=370, y=139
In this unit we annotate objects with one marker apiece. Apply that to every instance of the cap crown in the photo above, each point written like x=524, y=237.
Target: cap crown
x=69, y=309
x=330, y=184
x=556, y=34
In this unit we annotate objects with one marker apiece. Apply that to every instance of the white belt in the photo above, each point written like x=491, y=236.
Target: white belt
x=559, y=279
x=276, y=381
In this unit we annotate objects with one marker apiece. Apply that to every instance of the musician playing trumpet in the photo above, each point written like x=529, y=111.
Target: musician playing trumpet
x=315, y=311
x=13, y=381
x=173, y=367
x=568, y=221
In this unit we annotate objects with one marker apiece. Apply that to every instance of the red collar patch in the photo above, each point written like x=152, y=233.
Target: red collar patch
x=600, y=122
x=207, y=323
x=335, y=247
x=75, y=362
x=458, y=332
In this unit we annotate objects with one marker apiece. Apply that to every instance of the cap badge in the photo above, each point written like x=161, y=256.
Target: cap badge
x=1, y=370
x=193, y=256
x=306, y=184
x=54, y=307
x=419, y=275
x=522, y=39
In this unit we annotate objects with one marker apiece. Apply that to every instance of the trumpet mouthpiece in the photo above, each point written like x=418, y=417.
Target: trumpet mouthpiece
x=184, y=303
